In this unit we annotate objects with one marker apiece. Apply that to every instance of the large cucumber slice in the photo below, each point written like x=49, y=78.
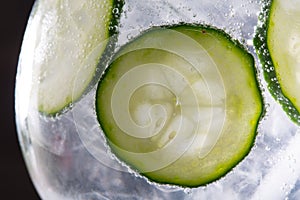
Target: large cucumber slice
x=278, y=46
x=67, y=39
x=180, y=104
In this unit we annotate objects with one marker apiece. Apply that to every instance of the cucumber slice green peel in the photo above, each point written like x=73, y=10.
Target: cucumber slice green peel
x=66, y=40
x=277, y=43
x=180, y=104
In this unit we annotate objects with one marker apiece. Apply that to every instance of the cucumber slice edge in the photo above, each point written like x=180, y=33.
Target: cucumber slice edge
x=267, y=64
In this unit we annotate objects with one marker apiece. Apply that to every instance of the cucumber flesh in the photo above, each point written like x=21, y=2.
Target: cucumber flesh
x=67, y=39
x=284, y=26
x=278, y=45
x=180, y=104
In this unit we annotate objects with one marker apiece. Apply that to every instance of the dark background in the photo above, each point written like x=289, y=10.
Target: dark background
x=14, y=179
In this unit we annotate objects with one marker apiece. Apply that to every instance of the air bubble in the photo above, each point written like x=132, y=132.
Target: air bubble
x=249, y=42
x=267, y=148
x=115, y=11
x=187, y=191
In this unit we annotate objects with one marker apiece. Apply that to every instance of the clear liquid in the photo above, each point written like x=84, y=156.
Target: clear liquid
x=67, y=155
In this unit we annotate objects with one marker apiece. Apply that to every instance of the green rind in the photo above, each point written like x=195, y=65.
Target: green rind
x=269, y=71
x=115, y=16
x=222, y=170
x=105, y=57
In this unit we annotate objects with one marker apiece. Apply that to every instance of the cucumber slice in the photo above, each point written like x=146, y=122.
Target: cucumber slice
x=68, y=38
x=180, y=104
x=278, y=46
